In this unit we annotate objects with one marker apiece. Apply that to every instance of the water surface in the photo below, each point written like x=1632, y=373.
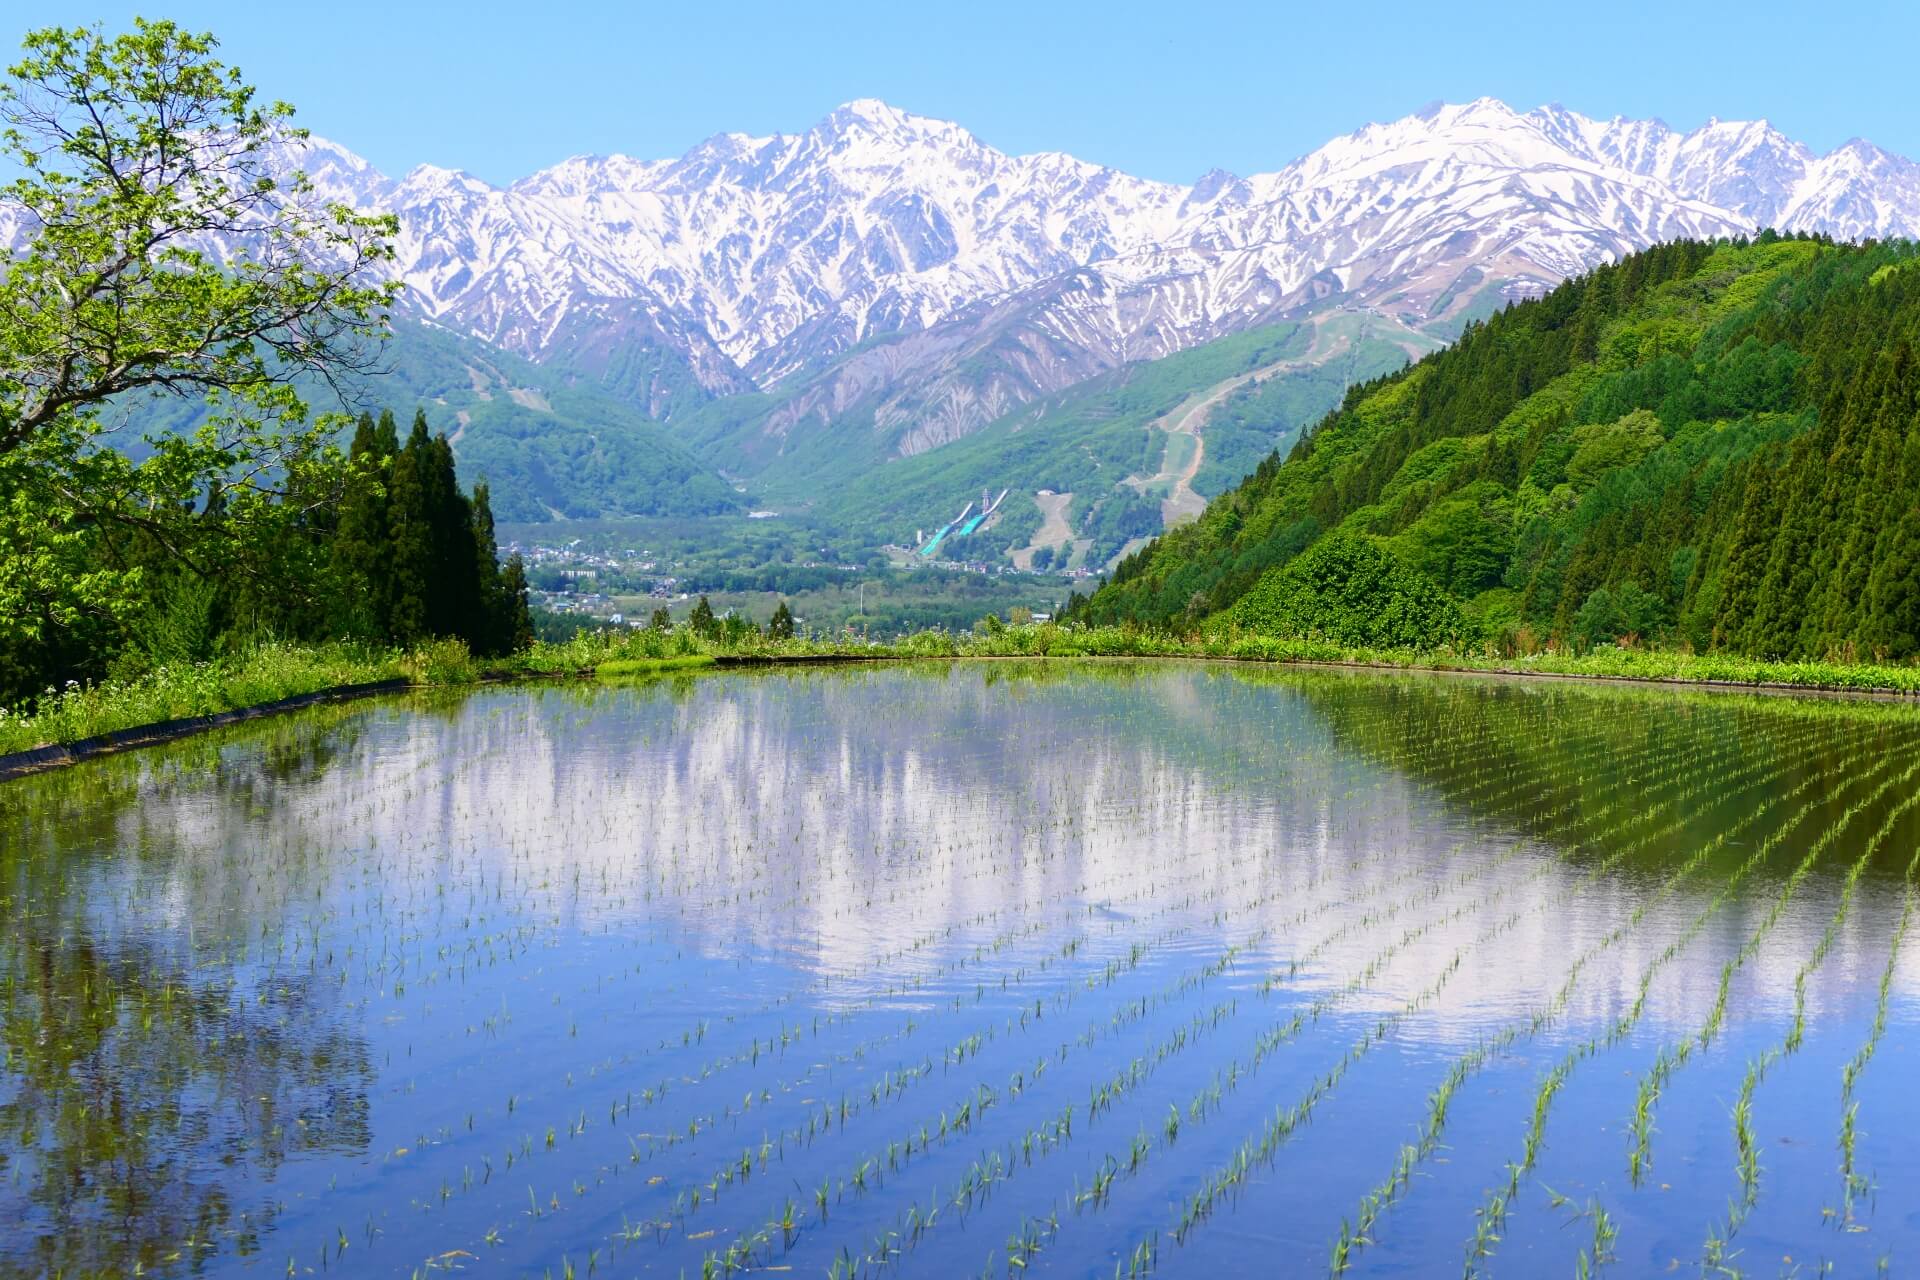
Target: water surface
x=984, y=968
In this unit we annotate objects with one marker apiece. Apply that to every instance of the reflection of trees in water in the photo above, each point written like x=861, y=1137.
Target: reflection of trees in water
x=141, y=1085
x=1566, y=742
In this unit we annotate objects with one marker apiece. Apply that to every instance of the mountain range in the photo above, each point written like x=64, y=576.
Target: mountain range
x=760, y=259
x=806, y=308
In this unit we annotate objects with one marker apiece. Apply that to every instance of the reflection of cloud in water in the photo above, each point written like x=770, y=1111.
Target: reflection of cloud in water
x=840, y=818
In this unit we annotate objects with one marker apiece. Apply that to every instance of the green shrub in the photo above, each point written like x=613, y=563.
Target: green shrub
x=1629, y=610
x=1348, y=590
x=443, y=662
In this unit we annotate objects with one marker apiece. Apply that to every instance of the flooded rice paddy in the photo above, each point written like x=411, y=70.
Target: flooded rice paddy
x=991, y=969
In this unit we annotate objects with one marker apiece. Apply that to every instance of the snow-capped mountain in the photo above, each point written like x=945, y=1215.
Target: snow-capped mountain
x=757, y=261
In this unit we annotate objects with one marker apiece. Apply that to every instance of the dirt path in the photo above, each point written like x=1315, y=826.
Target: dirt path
x=1132, y=545
x=1054, y=530
x=1182, y=503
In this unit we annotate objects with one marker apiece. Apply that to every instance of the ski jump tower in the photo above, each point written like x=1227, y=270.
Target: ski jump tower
x=966, y=522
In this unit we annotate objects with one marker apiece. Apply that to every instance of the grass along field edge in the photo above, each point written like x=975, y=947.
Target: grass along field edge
x=167, y=701
x=616, y=667
x=53, y=755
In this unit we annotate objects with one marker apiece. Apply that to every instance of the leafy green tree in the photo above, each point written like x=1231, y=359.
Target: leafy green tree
x=1462, y=543
x=184, y=627
x=1602, y=447
x=661, y=620
x=1640, y=612
x=127, y=151
x=1348, y=590
x=780, y=626
x=1598, y=618
x=702, y=619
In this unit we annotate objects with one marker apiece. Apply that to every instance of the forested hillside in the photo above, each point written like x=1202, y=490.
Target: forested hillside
x=1096, y=442
x=551, y=444
x=1713, y=445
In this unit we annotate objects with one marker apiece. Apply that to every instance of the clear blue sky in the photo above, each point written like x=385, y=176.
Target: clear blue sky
x=1164, y=90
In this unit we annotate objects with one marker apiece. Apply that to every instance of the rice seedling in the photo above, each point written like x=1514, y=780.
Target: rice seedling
x=1747, y=1159
x=1287, y=1121
x=1676, y=1054
x=1478, y=1249
x=1103, y=1176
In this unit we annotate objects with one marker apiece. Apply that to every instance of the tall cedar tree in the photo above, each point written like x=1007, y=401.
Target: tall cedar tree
x=363, y=546
x=517, y=620
x=489, y=626
x=443, y=576
x=413, y=613
x=453, y=607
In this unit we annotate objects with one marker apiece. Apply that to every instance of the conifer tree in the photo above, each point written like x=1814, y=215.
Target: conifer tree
x=363, y=544
x=516, y=618
x=1773, y=629
x=1892, y=628
x=386, y=434
x=453, y=600
x=1860, y=511
x=492, y=622
x=702, y=619
x=409, y=522
x=780, y=626
x=1751, y=547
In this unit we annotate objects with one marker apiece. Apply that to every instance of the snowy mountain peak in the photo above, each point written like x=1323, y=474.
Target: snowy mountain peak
x=879, y=117
x=585, y=175
x=428, y=181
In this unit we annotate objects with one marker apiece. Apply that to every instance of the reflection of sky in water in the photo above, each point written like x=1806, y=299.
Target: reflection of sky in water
x=533, y=965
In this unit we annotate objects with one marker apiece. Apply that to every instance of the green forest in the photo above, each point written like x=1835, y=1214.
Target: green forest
x=1709, y=446
x=378, y=545
x=1086, y=439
